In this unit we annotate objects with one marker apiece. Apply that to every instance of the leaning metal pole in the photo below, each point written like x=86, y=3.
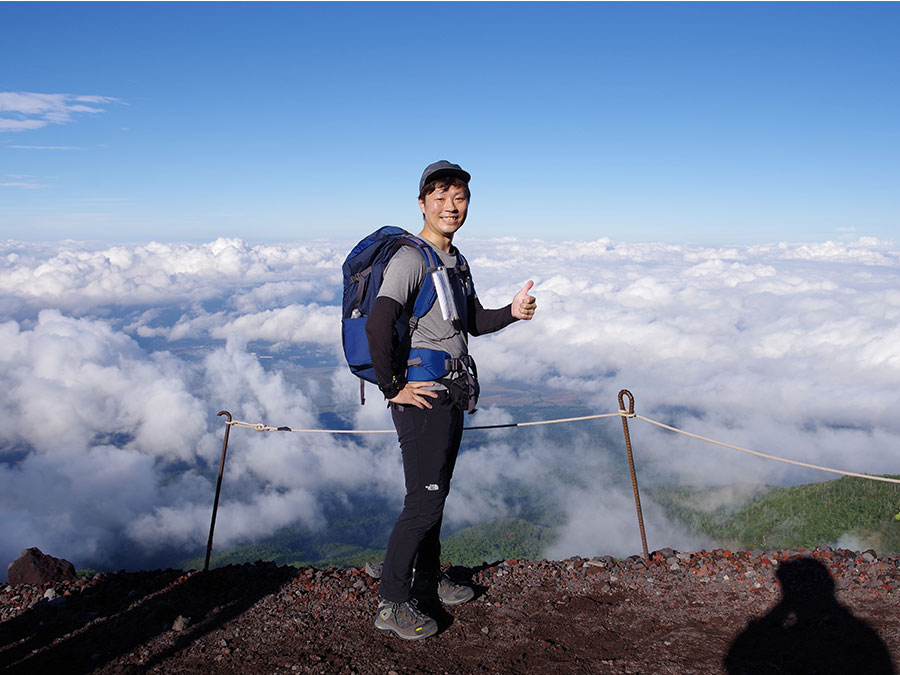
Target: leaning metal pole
x=637, y=497
x=212, y=523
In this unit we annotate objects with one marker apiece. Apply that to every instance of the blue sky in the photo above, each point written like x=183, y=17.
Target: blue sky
x=684, y=123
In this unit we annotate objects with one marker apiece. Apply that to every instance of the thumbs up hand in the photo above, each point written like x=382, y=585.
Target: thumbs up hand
x=524, y=305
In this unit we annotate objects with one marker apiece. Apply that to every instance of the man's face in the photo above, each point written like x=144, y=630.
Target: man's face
x=445, y=210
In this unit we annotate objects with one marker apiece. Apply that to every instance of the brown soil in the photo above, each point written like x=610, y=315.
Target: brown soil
x=677, y=613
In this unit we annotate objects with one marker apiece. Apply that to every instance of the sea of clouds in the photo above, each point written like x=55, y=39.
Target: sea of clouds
x=116, y=360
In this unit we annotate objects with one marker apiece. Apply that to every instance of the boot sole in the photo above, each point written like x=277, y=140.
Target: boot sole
x=453, y=603
x=420, y=636
x=436, y=598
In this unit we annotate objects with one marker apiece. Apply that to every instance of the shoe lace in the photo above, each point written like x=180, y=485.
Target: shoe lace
x=410, y=609
x=444, y=580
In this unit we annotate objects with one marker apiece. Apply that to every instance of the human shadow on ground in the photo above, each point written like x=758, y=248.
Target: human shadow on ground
x=83, y=639
x=808, y=631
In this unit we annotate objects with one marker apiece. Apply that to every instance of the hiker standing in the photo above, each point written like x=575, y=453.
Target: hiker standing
x=429, y=380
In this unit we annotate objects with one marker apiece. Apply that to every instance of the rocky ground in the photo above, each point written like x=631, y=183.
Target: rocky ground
x=823, y=611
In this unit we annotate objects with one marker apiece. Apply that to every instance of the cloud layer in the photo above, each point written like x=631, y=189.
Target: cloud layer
x=24, y=111
x=116, y=360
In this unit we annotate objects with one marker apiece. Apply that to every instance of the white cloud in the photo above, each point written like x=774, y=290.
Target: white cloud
x=69, y=381
x=607, y=525
x=104, y=440
x=295, y=324
x=790, y=349
x=43, y=147
x=7, y=124
x=78, y=279
x=24, y=111
x=23, y=185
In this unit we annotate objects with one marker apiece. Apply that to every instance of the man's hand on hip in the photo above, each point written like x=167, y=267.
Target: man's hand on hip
x=414, y=393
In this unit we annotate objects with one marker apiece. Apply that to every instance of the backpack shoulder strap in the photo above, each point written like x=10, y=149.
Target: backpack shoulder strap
x=431, y=259
x=462, y=268
x=427, y=294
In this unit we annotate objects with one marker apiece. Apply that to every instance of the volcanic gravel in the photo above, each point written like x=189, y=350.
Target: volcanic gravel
x=822, y=611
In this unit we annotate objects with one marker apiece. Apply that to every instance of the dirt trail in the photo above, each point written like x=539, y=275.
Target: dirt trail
x=812, y=612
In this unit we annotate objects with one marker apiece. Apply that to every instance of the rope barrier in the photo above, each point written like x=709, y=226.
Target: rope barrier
x=765, y=456
x=620, y=413
x=263, y=427
x=623, y=412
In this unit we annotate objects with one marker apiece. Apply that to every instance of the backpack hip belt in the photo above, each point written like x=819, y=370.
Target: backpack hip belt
x=429, y=364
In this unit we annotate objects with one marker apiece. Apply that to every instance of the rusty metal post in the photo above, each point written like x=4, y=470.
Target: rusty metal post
x=212, y=523
x=626, y=413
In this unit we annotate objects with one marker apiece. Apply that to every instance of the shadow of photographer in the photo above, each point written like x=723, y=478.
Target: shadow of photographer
x=808, y=631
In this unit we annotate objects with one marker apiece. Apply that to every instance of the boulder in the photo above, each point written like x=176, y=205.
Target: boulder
x=36, y=568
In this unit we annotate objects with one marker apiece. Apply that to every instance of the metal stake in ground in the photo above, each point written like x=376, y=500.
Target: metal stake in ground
x=637, y=497
x=212, y=523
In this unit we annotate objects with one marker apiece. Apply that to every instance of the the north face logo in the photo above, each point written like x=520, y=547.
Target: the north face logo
x=432, y=487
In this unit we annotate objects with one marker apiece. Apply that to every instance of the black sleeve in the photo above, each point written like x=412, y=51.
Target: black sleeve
x=380, y=332
x=483, y=321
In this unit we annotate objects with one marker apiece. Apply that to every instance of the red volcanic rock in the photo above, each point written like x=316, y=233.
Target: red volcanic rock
x=34, y=567
x=568, y=616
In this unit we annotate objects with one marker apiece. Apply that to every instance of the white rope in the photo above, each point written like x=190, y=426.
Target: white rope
x=264, y=427
x=760, y=454
x=620, y=413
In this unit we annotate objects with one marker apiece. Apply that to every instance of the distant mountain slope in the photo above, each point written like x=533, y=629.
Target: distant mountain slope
x=852, y=512
x=849, y=512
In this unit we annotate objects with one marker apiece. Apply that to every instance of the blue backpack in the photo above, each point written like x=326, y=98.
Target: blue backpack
x=363, y=273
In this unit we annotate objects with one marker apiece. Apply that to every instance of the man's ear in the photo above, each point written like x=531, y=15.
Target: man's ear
x=422, y=205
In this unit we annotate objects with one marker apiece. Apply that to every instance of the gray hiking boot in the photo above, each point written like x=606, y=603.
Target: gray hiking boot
x=405, y=620
x=437, y=586
x=452, y=593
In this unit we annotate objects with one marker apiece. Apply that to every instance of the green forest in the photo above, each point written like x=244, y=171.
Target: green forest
x=803, y=516
x=851, y=512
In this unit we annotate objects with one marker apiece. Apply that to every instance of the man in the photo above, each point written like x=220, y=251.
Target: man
x=428, y=415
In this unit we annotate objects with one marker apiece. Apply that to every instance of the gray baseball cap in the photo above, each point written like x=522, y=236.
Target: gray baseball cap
x=442, y=168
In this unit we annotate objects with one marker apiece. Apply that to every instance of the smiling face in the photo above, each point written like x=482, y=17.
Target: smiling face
x=445, y=212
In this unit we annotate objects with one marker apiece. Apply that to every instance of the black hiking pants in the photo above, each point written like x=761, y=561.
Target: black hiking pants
x=429, y=443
